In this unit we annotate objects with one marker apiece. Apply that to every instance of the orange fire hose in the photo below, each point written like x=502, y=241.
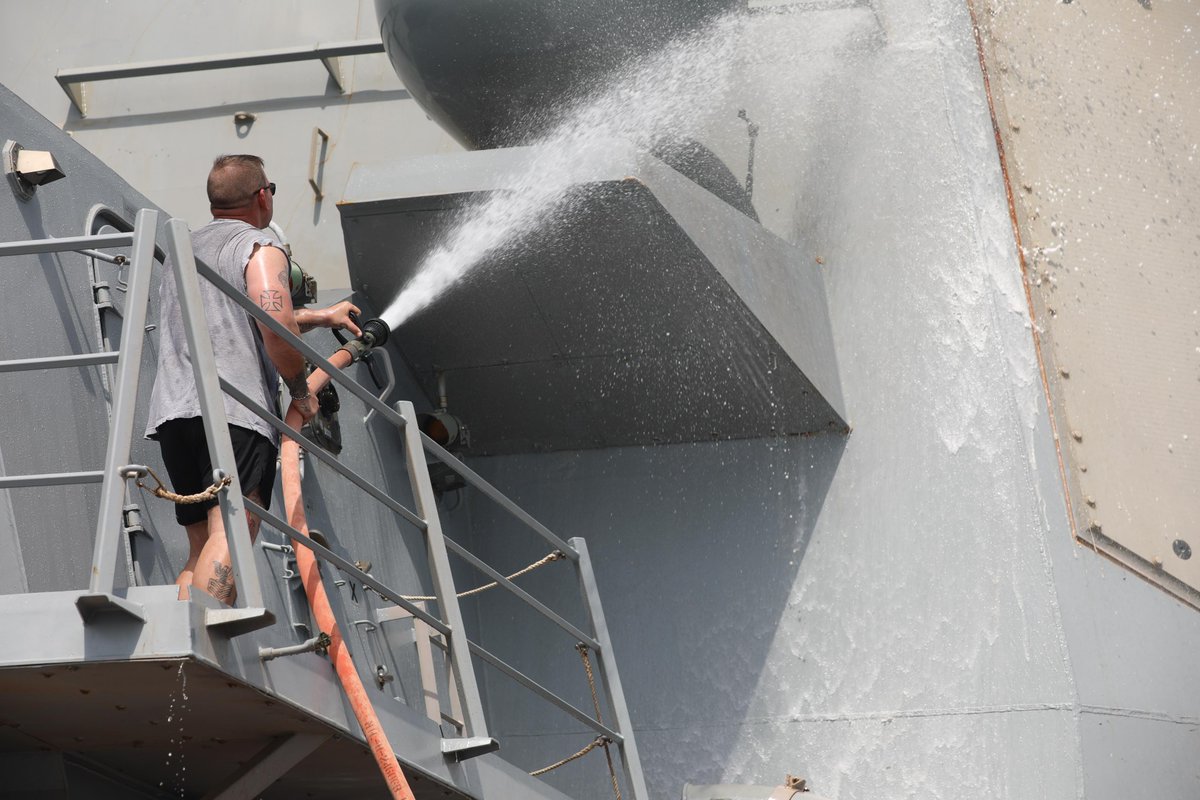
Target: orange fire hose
x=310, y=575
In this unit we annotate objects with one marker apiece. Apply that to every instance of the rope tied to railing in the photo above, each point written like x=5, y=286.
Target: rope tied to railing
x=556, y=555
x=182, y=499
x=599, y=741
x=584, y=651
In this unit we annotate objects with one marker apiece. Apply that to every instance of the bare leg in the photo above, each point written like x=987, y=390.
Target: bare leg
x=197, y=534
x=213, y=571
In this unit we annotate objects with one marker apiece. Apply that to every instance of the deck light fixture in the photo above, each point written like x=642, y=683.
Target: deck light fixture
x=29, y=169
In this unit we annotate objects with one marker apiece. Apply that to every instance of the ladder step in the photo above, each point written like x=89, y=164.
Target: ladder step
x=463, y=749
x=236, y=621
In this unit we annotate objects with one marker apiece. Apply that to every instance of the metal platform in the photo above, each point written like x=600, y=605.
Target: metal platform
x=137, y=703
x=180, y=726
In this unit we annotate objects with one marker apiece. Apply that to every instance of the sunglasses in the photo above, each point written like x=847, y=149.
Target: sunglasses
x=270, y=186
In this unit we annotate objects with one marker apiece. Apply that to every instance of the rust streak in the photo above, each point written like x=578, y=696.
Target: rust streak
x=1016, y=227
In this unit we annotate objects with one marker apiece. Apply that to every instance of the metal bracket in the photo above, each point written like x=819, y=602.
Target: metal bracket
x=383, y=675
x=73, y=81
x=459, y=750
x=94, y=605
x=267, y=766
x=131, y=524
x=77, y=93
x=317, y=156
x=103, y=296
x=21, y=189
x=318, y=644
x=333, y=65
x=236, y=621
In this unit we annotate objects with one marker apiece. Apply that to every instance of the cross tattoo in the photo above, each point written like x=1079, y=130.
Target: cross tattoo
x=271, y=300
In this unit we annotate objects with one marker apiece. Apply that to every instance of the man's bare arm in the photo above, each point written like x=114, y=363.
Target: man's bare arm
x=335, y=316
x=266, y=284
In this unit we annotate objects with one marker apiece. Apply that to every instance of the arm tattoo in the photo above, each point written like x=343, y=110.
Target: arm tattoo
x=297, y=386
x=271, y=300
x=284, y=279
x=220, y=585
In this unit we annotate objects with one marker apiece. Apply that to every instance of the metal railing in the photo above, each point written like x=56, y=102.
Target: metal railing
x=74, y=81
x=128, y=359
x=425, y=519
x=250, y=612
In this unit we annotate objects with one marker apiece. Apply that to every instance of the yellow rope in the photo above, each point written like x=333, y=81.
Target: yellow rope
x=555, y=556
x=183, y=499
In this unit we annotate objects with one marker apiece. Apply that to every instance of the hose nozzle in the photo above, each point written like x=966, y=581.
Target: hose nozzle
x=374, y=334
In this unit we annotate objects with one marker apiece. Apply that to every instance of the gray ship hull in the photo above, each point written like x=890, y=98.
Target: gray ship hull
x=938, y=603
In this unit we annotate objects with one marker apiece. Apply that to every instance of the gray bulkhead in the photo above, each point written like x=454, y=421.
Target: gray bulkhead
x=902, y=612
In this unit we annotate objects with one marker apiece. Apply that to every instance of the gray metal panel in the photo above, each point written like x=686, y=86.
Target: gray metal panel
x=55, y=421
x=484, y=70
x=1161, y=752
x=903, y=613
x=621, y=324
x=185, y=120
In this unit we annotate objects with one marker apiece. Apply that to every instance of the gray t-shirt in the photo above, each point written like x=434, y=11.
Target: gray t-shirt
x=225, y=245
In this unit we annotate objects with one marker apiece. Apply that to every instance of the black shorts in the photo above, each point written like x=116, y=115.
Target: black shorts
x=185, y=453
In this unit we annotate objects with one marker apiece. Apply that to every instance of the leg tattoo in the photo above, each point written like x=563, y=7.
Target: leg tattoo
x=220, y=585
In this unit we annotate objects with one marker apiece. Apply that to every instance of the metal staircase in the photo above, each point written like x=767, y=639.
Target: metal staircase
x=148, y=621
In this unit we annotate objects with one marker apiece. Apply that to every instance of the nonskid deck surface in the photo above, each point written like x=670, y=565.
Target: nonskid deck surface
x=177, y=726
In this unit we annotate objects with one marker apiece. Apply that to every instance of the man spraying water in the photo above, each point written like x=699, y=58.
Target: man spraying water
x=248, y=356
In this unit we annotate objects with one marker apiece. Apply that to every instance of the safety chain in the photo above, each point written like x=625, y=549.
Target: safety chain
x=183, y=499
x=599, y=741
x=557, y=555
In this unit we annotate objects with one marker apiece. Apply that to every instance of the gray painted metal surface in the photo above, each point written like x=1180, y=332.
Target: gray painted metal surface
x=56, y=419
x=185, y=120
x=73, y=80
x=901, y=613
x=485, y=70
x=904, y=612
x=160, y=631
x=649, y=299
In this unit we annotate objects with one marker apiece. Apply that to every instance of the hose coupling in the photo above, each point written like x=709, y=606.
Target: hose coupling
x=374, y=334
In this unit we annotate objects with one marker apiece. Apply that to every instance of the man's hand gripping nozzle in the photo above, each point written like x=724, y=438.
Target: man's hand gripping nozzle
x=375, y=333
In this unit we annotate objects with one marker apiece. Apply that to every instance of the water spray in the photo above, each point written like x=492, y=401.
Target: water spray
x=664, y=96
